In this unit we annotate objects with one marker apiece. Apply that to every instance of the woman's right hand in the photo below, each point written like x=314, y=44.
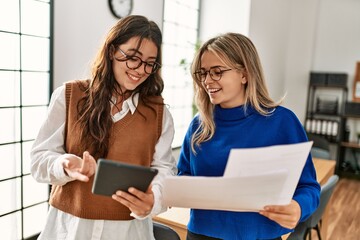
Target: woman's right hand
x=79, y=169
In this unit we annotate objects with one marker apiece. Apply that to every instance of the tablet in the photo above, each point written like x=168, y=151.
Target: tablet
x=111, y=176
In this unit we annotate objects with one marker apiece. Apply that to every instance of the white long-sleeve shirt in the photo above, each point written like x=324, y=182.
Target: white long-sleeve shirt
x=47, y=153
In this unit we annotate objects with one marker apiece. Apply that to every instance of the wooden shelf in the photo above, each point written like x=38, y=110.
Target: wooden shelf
x=350, y=145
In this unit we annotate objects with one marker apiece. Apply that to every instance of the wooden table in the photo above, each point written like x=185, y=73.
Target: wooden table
x=178, y=218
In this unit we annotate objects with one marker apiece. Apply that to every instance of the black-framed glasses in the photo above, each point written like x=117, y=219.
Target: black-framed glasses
x=214, y=72
x=134, y=62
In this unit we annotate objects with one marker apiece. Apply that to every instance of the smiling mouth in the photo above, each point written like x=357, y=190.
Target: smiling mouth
x=213, y=90
x=133, y=77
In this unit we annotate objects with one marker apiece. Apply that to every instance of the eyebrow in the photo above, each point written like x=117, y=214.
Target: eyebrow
x=138, y=52
x=219, y=66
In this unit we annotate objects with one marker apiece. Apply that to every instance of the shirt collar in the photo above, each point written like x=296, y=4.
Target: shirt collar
x=130, y=103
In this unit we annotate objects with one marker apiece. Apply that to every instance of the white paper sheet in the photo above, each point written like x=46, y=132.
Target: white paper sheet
x=291, y=157
x=253, y=178
x=233, y=193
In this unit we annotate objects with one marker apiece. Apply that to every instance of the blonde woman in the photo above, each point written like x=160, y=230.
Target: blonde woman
x=236, y=111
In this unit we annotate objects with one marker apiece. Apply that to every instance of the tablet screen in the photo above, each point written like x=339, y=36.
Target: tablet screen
x=111, y=176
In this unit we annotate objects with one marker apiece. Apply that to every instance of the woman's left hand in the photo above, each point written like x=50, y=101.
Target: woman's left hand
x=140, y=203
x=287, y=216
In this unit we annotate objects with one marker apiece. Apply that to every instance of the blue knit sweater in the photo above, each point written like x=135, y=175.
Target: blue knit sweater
x=236, y=128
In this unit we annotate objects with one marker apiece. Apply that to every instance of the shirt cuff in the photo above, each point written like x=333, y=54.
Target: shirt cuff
x=59, y=171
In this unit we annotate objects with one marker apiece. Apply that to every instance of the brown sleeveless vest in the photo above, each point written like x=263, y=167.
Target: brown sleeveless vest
x=132, y=140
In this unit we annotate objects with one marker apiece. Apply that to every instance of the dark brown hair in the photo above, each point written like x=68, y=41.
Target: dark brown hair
x=94, y=109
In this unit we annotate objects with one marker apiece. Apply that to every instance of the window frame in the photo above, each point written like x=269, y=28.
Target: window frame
x=20, y=143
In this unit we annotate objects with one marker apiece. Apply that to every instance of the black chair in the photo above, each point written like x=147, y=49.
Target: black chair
x=321, y=146
x=163, y=232
x=303, y=229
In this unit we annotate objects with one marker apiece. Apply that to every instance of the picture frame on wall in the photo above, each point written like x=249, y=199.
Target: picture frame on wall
x=356, y=86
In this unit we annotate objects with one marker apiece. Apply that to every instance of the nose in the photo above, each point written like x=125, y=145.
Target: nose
x=207, y=78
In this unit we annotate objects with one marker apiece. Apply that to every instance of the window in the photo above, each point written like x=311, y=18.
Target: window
x=180, y=37
x=25, y=78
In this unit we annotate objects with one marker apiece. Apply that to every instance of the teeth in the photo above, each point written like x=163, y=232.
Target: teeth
x=212, y=90
x=133, y=77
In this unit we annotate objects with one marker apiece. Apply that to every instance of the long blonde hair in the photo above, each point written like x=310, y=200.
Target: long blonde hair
x=238, y=52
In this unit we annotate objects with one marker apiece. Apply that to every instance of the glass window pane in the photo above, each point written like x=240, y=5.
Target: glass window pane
x=170, y=12
x=25, y=82
x=32, y=118
x=34, y=192
x=182, y=98
x=11, y=226
x=10, y=51
x=190, y=41
x=172, y=55
x=26, y=161
x=34, y=219
x=171, y=32
x=182, y=118
x=12, y=154
x=191, y=20
x=180, y=40
x=9, y=15
x=180, y=77
x=11, y=189
x=35, y=24
x=35, y=53
x=35, y=82
x=10, y=88
x=191, y=3
x=10, y=125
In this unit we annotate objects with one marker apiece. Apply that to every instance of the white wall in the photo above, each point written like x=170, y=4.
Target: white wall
x=269, y=26
x=223, y=16
x=295, y=37
x=80, y=27
x=338, y=39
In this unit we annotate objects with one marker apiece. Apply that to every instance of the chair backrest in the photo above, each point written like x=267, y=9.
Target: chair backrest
x=320, y=153
x=321, y=146
x=319, y=141
x=326, y=192
x=163, y=232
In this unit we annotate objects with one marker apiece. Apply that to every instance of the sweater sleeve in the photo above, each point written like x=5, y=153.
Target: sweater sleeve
x=307, y=192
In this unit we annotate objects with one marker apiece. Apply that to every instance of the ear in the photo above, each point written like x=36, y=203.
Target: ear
x=244, y=78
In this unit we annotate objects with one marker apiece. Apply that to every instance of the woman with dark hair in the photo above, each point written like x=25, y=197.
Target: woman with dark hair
x=118, y=114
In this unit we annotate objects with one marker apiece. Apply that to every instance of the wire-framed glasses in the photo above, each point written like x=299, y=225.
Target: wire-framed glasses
x=134, y=62
x=215, y=73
